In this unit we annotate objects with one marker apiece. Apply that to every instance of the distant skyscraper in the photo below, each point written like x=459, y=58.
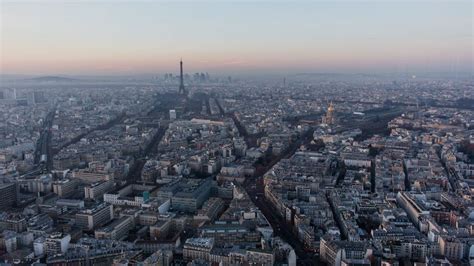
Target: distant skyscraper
x=172, y=114
x=39, y=97
x=181, y=82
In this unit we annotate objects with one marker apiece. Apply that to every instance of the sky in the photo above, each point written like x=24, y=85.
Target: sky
x=129, y=37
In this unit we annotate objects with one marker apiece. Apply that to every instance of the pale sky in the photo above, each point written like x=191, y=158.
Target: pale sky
x=129, y=37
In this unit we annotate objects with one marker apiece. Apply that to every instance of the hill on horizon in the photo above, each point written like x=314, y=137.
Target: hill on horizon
x=52, y=79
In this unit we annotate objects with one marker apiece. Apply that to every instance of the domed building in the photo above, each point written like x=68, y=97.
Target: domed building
x=329, y=118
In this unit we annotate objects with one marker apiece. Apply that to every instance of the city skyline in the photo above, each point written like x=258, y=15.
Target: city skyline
x=253, y=132
x=343, y=36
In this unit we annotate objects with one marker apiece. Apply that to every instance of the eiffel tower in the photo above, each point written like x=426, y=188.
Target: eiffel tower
x=181, y=91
